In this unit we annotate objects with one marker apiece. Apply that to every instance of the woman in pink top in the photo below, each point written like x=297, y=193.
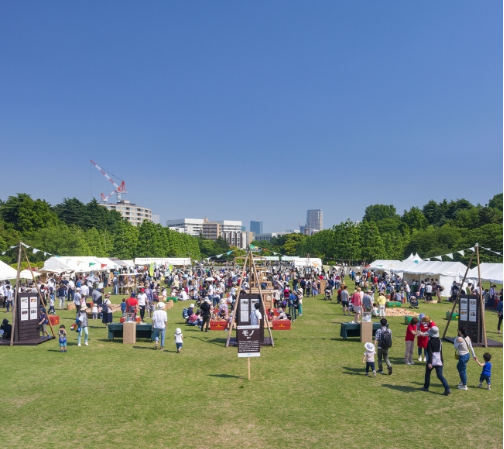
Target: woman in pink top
x=357, y=303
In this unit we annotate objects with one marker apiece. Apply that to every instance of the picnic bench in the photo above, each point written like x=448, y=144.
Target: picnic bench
x=353, y=329
x=142, y=331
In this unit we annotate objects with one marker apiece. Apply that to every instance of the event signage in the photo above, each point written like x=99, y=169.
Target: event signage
x=470, y=317
x=248, y=338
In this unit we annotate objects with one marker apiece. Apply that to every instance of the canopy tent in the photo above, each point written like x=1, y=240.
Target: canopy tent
x=491, y=272
x=385, y=265
x=412, y=258
x=314, y=262
x=27, y=274
x=443, y=272
x=55, y=265
x=179, y=261
x=7, y=272
x=283, y=258
x=109, y=264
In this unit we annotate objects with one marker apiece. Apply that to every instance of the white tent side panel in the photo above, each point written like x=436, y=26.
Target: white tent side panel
x=7, y=272
x=491, y=272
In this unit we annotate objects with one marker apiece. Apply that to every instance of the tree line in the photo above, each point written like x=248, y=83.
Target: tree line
x=435, y=229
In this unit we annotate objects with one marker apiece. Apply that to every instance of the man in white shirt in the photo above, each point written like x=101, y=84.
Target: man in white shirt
x=183, y=295
x=84, y=291
x=159, y=320
x=142, y=302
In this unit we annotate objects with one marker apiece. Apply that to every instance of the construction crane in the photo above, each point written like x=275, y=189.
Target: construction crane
x=118, y=189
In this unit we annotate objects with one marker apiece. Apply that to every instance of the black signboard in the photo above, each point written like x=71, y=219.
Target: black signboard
x=248, y=338
x=470, y=317
x=246, y=304
x=27, y=317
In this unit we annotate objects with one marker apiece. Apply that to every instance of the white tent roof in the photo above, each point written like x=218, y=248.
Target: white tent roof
x=27, y=274
x=491, y=272
x=111, y=265
x=315, y=262
x=412, y=257
x=433, y=268
x=55, y=265
x=7, y=272
x=385, y=265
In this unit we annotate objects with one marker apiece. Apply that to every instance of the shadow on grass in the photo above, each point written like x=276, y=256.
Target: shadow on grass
x=353, y=371
x=403, y=388
x=215, y=341
x=226, y=376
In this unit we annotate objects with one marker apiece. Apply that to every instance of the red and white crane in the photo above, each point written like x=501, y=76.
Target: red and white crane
x=118, y=189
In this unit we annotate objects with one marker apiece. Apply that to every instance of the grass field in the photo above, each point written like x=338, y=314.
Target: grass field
x=308, y=391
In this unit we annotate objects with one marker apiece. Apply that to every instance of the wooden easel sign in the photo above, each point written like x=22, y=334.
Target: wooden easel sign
x=248, y=338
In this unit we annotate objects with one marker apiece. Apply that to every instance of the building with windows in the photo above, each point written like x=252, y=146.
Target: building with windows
x=266, y=237
x=132, y=212
x=211, y=230
x=314, y=220
x=191, y=226
x=256, y=227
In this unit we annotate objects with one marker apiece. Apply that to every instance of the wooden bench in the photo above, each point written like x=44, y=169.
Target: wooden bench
x=142, y=331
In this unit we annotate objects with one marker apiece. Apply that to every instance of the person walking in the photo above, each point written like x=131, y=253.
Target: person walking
x=383, y=341
x=463, y=345
x=83, y=325
x=382, y=301
x=435, y=361
x=159, y=322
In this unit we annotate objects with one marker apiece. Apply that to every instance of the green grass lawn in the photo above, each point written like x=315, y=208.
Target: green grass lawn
x=308, y=391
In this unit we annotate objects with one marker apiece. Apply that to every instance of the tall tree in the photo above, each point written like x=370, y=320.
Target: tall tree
x=378, y=212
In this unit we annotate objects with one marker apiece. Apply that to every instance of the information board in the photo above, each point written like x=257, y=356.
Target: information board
x=248, y=338
x=27, y=317
x=470, y=317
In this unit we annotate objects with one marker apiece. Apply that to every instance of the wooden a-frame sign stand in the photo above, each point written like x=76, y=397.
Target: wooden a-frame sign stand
x=249, y=259
x=16, y=303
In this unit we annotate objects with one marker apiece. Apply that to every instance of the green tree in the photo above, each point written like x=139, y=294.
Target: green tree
x=372, y=246
x=496, y=202
x=150, y=243
x=125, y=240
x=415, y=219
x=26, y=214
x=379, y=212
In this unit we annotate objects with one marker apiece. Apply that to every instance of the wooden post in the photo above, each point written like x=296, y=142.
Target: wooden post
x=482, y=305
x=248, y=367
x=36, y=285
x=265, y=315
x=458, y=296
x=14, y=303
x=237, y=299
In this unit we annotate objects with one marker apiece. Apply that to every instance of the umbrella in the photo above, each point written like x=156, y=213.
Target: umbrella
x=209, y=279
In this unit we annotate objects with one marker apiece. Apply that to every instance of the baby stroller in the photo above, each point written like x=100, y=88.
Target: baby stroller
x=413, y=302
x=328, y=294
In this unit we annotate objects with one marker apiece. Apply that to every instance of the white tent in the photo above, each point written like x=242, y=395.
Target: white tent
x=55, y=265
x=7, y=272
x=179, y=261
x=491, y=272
x=110, y=264
x=444, y=272
x=27, y=274
x=303, y=262
x=385, y=265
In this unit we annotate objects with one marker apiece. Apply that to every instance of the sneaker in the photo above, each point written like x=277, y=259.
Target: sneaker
x=407, y=363
x=86, y=343
x=390, y=370
x=462, y=387
x=374, y=373
x=488, y=387
x=380, y=371
x=447, y=392
x=424, y=389
x=78, y=344
x=161, y=348
x=420, y=358
x=480, y=386
x=366, y=374
x=460, y=384
x=411, y=363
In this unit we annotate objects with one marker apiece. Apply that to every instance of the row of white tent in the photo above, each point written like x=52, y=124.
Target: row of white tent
x=414, y=268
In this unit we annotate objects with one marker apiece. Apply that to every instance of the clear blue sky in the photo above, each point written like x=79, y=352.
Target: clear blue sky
x=253, y=109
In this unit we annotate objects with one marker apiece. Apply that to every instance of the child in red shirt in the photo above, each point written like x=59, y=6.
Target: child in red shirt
x=411, y=333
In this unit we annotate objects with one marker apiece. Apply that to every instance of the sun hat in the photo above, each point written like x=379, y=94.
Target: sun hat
x=77, y=289
x=369, y=346
x=160, y=306
x=434, y=332
x=178, y=331
x=191, y=306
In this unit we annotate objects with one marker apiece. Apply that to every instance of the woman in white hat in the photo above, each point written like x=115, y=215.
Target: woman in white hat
x=435, y=360
x=159, y=321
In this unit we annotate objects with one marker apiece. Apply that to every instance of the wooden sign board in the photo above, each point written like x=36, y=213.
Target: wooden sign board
x=470, y=317
x=27, y=317
x=248, y=338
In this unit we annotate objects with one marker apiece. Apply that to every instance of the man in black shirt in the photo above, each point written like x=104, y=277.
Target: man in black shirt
x=206, y=313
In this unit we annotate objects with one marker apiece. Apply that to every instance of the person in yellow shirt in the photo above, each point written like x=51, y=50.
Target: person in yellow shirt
x=382, y=300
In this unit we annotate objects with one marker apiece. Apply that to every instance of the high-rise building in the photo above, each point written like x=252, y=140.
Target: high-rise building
x=191, y=226
x=211, y=230
x=256, y=227
x=314, y=220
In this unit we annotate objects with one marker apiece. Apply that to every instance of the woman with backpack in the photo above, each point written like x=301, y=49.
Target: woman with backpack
x=435, y=360
x=462, y=345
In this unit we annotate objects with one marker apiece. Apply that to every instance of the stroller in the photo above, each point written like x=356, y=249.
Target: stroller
x=328, y=293
x=413, y=302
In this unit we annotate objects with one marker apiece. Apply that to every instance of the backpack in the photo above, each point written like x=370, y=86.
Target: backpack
x=386, y=339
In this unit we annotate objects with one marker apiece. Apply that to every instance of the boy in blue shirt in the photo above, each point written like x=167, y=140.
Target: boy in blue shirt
x=487, y=370
x=123, y=307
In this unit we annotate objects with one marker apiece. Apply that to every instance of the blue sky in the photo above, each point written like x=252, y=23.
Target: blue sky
x=246, y=110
